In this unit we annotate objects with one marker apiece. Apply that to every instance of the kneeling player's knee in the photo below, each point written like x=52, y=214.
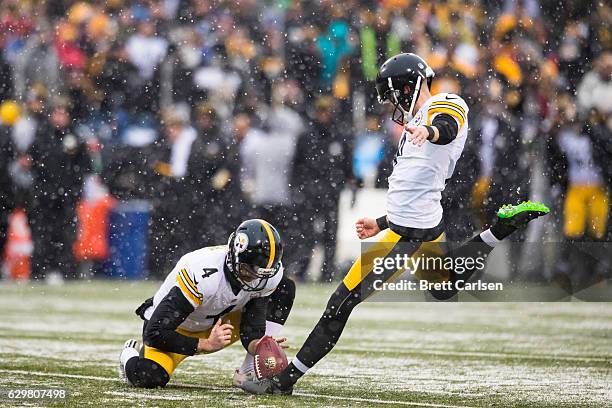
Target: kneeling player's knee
x=281, y=301
x=145, y=373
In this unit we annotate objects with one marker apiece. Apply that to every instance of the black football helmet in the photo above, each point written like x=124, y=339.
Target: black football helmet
x=255, y=250
x=399, y=82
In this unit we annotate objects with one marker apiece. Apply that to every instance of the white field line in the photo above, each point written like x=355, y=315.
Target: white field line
x=218, y=389
x=378, y=401
x=452, y=353
x=481, y=354
x=146, y=396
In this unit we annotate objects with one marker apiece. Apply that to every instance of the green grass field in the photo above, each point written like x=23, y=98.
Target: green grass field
x=391, y=354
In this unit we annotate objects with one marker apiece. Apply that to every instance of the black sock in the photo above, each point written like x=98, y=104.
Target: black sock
x=289, y=376
x=325, y=334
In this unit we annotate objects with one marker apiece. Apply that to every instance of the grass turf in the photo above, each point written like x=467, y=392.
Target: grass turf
x=391, y=354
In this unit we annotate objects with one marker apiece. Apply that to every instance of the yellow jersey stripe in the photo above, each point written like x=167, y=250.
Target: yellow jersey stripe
x=449, y=111
x=446, y=105
x=272, y=242
x=456, y=105
x=196, y=292
x=188, y=280
x=187, y=291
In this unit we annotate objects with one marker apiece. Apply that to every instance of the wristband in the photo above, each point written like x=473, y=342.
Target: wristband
x=430, y=130
x=382, y=223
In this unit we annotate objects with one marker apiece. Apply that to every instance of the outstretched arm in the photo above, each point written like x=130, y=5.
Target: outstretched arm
x=368, y=227
x=443, y=130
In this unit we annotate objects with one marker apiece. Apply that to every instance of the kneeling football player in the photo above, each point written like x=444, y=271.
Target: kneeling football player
x=213, y=297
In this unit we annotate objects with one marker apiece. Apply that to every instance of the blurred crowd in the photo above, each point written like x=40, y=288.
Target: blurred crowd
x=216, y=110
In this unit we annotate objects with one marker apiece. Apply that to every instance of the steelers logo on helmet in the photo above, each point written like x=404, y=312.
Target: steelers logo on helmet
x=241, y=243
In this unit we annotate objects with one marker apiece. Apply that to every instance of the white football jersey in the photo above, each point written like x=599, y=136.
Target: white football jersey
x=200, y=276
x=420, y=172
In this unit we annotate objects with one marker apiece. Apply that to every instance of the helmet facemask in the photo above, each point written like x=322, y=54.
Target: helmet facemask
x=393, y=97
x=399, y=82
x=259, y=276
x=403, y=103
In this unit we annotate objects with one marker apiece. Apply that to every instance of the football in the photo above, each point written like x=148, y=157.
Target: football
x=270, y=359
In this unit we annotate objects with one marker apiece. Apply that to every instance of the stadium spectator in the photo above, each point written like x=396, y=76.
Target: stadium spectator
x=119, y=83
x=146, y=50
x=171, y=204
x=302, y=58
x=583, y=180
x=6, y=81
x=9, y=112
x=321, y=169
x=334, y=45
x=595, y=89
x=586, y=204
x=212, y=182
x=23, y=134
x=59, y=162
x=37, y=64
x=510, y=172
x=266, y=155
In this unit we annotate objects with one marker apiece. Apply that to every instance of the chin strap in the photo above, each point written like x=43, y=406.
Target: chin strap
x=399, y=114
x=399, y=119
x=415, y=95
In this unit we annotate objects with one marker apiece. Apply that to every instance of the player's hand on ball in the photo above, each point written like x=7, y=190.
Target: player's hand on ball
x=270, y=359
x=366, y=228
x=220, y=336
x=282, y=342
x=418, y=134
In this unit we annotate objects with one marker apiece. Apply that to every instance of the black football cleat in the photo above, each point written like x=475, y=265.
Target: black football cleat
x=277, y=388
x=267, y=386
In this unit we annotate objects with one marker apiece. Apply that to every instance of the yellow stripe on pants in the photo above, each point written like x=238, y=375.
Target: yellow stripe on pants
x=365, y=263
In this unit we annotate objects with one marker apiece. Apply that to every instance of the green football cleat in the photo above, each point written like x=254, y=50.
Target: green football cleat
x=520, y=214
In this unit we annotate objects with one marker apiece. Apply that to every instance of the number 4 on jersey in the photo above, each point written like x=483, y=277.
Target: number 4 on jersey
x=208, y=272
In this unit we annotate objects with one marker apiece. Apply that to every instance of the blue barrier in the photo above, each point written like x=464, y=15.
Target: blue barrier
x=128, y=240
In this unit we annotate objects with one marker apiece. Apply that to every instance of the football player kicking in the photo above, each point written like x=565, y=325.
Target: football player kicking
x=430, y=145
x=213, y=297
